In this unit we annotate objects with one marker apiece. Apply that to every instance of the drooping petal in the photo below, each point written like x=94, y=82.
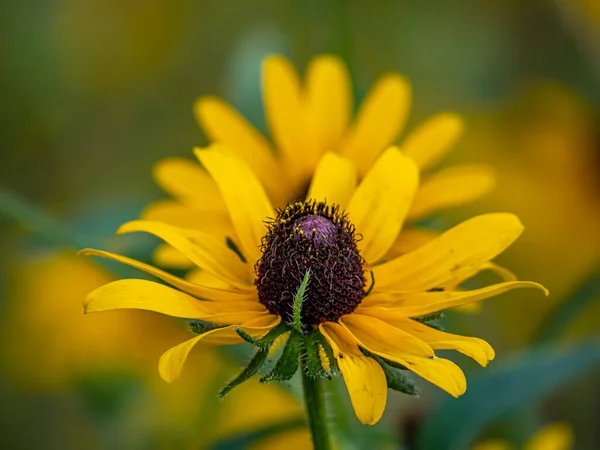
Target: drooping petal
x=185, y=180
x=363, y=376
x=476, y=348
x=459, y=250
x=431, y=140
x=381, y=202
x=439, y=371
x=334, y=180
x=151, y=296
x=282, y=98
x=194, y=217
x=328, y=98
x=197, y=290
x=223, y=124
x=410, y=240
x=172, y=361
x=205, y=251
x=415, y=304
x=380, y=119
x=245, y=197
x=451, y=187
x=373, y=331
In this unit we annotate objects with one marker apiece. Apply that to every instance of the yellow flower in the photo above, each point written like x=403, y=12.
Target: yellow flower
x=306, y=121
x=248, y=284
x=558, y=436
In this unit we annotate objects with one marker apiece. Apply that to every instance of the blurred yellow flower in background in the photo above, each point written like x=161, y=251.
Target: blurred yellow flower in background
x=557, y=436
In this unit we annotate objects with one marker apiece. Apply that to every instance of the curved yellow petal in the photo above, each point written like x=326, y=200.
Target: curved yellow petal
x=381, y=202
x=215, y=222
x=439, y=371
x=364, y=378
x=376, y=332
x=328, y=96
x=431, y=140
x=409, y=240
x=282, y=98
x=223, y=124
x=415, y=304
x=172, y=361
x=151, y=296
x=245, y=197
x=380, y=119
x=334, y=180
x=185, y=180
x=451, y=187
x=502, y=272
x=475, y=348
x=204, y=278
x=457, y=251
x=166, y=256
x=205, y=251
x=197, y=290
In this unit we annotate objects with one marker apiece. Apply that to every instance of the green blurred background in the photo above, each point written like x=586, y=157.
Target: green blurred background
x=94, y=93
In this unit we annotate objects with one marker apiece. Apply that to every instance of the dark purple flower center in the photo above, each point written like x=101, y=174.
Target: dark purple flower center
x=316, y=237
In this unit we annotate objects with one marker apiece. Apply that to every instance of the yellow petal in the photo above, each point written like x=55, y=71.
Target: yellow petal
x=459, y=250
x=172, y=361
x=410, y=240
x=416, y=304
x=151, y=296
x=441, y=372
x=364, y=378
x=557, y=436
x=430, y=142
x=334, y=180
x=223, y=124
x=381, y=201
x=215, y=222
x=185, y=180
x=374, y=332
x=205, y=251
x=167, y=256
x=502, y=272
x=328, y=104
x=451, y=187
x=283, y=107
x=380, y=119
x=204, y=278
x=199, y=291
x=245, y=197
x=476, y=348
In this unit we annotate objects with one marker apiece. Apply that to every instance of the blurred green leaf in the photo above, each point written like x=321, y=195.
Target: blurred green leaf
x=457, y=422
x=36, y=220
x=245, y=440
x=567, y=310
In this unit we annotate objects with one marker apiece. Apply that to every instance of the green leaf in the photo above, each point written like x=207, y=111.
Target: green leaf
x=287, y=365
x=389, y=362
x=247, y=439
x=457, y=422
x=253, y=366
x=312, y=364
x=567, y=310
x=267, y=340
x=397, y=378
x=433, y=320
x=297, y=307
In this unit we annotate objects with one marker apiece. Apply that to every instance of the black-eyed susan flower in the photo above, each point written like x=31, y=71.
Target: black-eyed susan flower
x=316, y=273
x=307, y=120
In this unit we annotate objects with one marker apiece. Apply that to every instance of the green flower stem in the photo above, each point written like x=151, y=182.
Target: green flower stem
x=315, y=407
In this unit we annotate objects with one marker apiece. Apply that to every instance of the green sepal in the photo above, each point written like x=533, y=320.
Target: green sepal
x=253, y=366
x=201, y=327
x=287, y=365
x=267, y=340
x=312, y=364
x=297, y=305
x=397, y=378
x=433, y=320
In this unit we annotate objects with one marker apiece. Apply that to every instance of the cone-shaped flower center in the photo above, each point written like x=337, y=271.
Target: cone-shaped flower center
x=318, y=238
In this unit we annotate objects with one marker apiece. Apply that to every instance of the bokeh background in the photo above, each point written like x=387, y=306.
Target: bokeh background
x=95, y=92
